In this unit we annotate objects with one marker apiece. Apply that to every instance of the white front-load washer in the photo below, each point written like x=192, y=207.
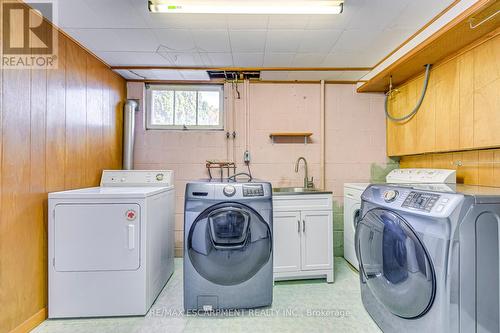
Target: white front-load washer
x=352, y=206
x=111, y=248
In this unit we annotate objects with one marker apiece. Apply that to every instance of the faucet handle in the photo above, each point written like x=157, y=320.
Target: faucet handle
x=310, y=183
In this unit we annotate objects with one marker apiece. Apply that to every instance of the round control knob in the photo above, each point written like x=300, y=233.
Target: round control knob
x=390, y=195
x=229, y=191
x=159, y=177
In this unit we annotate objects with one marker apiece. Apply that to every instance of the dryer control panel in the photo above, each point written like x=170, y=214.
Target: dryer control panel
x=115, y=178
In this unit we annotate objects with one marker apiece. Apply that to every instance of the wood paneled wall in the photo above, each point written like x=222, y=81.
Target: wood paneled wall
x=461, y=109
x=59, y=129
x=478, y=167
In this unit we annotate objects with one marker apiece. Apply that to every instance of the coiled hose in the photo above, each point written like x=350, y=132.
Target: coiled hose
x=419, y=103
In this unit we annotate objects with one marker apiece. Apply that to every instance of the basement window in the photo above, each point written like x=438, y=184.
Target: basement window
x=182, y=107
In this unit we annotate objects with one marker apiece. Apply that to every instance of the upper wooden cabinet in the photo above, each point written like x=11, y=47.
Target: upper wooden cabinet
x=486, y=94
x=461, y=109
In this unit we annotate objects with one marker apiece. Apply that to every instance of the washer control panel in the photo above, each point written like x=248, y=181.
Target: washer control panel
x=256, y=190
x=421, y=201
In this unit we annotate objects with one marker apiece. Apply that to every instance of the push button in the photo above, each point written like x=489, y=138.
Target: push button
x=439, y=208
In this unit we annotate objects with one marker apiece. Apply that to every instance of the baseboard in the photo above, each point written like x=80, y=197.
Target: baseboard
x=31, y=322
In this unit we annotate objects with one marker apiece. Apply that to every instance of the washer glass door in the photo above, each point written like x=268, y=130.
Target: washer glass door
x=229, y=243
x=394, y=263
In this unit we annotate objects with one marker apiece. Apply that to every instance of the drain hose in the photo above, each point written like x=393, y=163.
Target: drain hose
x=419, y=103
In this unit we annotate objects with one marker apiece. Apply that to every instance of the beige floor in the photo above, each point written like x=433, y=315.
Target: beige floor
x=298, y=306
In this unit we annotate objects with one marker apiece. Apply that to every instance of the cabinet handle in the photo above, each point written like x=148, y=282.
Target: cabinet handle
x=304, y=225
x=298, y=226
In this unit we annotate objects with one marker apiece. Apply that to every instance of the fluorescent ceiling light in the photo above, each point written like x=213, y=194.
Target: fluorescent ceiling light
x=246, y=6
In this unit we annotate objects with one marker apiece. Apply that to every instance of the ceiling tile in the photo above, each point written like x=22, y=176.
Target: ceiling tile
x=318, y=41
x=185, y=59
x=128, y=74
x=377, y=14
x=308, y=59
x=416, y=12
x=159, y=74
x=283, y=40
x=288, y=21
x=248, y=59
x=115, y=39
x=98, y=14
x=247, y=41
x=175, y=39
x=339, y=21
x=184, y=21
x=133, y=58
x=355, y=40
x=352, y=75
x=194, y=75
x=247, y=22
x=220, y=59
x=212, y=40
x=278, y=59
x=350, y=59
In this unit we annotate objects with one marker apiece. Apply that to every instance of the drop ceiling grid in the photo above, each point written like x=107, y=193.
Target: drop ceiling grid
x=365, y=32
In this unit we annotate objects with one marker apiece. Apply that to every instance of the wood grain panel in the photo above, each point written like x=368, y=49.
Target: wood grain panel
x=56, y=122
x=426, y=118
x=53, y=126
x=446, y=107
x=76, y=118
x=465, y=65
x=401, y=136
x=487, y=93
x=478, y=167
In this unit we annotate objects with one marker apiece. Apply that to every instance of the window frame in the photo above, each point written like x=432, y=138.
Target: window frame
x=188, y=87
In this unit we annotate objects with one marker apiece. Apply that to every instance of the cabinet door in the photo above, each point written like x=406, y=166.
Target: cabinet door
x=486, y=94
x=402, y=136
x=317, y=244
x=286, y=234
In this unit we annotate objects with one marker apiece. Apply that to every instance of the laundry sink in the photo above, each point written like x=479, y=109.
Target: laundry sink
x=297, y=190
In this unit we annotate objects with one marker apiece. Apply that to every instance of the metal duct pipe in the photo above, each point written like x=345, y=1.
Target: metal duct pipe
x=131, y=106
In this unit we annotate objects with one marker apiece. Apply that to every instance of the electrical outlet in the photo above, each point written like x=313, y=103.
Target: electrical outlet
x=246, y=156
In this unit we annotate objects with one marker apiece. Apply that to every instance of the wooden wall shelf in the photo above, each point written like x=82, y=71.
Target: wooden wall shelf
x=445, y=43
x=292, y=135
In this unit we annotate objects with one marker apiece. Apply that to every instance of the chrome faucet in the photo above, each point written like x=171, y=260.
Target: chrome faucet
x=307, y=183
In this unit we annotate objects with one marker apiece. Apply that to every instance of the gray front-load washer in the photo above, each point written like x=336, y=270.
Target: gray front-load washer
x=228, y=259
x=429, y=257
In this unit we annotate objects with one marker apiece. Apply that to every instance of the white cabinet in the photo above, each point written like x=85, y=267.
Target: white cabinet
x=286, y=231
x=303, y=236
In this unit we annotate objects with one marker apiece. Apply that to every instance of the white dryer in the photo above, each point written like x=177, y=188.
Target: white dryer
x=111, y=248
x=353, y=191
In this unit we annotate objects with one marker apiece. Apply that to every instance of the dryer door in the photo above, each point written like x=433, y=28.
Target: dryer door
x=394, y=263
x=229, y=243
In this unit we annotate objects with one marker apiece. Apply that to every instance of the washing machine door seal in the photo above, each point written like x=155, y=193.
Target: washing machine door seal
x=395, y=264
x=229, y=243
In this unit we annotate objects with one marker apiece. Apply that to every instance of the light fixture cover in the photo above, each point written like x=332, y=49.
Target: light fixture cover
x=247, y=6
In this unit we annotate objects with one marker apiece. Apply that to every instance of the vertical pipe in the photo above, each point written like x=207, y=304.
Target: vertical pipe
x=322, y=134
x=129, y=110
